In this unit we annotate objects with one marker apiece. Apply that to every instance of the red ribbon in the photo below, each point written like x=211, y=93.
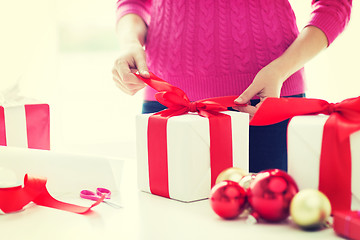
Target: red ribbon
x=2, y=127
x=34, y=190
x=178, y=103
x=38, y=126
x=335, y=159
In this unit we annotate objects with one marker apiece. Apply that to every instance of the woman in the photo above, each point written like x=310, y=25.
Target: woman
x=249, y=48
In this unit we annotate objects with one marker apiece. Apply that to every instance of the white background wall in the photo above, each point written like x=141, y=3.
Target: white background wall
x=334, y=74
x=28, y=44
x=33, y=33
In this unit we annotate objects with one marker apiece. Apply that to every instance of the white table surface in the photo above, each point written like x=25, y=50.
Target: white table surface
x=143, y=216
x=90, y=116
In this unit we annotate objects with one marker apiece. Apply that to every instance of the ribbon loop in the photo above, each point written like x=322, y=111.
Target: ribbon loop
x=174, y=98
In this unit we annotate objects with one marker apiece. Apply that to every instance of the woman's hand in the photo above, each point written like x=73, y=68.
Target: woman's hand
x=132, y=31
x=269, y=80
x=267, y=83
x=131, y=59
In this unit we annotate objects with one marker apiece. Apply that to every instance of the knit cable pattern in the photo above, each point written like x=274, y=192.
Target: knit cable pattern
x=215, y=48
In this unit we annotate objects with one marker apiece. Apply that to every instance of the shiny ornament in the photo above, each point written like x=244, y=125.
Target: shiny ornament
x=233, y=174
x=247, y=180
x=228, y=199
x=270, y=194
x=310, y=209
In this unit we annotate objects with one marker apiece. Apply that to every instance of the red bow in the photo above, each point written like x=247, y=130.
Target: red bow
x=178, y=103
x=335, y=159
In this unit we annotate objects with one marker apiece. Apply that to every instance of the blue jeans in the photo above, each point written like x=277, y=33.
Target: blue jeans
x=267, y=144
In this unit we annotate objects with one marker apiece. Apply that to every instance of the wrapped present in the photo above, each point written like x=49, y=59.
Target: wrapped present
x=320, y=151
x=347, y=224
x=25, y=125
x=188, y=154
x=23, y=122
x=182, y=149
x=304, y=149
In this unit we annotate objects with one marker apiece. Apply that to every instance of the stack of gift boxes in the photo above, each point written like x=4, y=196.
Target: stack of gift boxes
x=187, y=161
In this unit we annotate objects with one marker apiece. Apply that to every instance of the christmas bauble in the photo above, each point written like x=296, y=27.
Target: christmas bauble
x=247, y=180
x=310, y=209
x=270, y=194
x=233, y=174
x=228, y=199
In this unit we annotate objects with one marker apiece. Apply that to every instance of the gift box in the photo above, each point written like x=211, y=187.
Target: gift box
x=347, y=224
x=321, y=149
x=25, y=125
x=188, y=143
x=304, y=136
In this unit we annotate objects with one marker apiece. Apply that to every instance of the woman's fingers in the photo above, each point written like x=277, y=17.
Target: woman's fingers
x=123, y=75
x=141, y=64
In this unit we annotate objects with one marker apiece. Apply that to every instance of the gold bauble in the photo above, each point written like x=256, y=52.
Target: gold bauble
x=233, y=174
x=247, y=180
x=310, y=209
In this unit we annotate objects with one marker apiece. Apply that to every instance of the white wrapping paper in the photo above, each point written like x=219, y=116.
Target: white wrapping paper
x=188, y=144
x=15, y=126
x=66, y=173
x=304, y=148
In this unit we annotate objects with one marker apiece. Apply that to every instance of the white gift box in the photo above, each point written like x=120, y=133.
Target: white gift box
x=304, y=138
x=188, y=146
x=25, y=125
x=24, y=122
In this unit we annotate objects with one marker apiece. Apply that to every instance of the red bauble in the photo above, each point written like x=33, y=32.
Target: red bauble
x=270, y=194
x=228, y=199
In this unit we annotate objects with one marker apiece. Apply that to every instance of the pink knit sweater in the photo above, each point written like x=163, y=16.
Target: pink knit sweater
x=212, y=48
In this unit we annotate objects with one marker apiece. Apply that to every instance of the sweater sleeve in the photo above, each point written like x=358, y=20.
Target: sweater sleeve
x=331, y=16
x=139, y=7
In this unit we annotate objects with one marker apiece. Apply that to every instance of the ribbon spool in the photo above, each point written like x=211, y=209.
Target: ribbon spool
x=8, y=183
x=8, y=178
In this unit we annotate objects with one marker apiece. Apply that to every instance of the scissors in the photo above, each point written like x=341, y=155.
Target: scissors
x=87, y=194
